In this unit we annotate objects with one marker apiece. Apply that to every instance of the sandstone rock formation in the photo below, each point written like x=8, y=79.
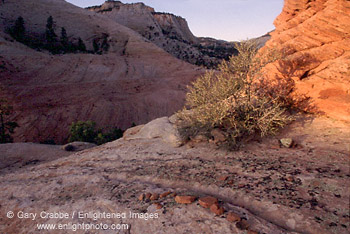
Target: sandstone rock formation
x=134, y=82
x=320, y=30
x=21, y=155
x=168, y=32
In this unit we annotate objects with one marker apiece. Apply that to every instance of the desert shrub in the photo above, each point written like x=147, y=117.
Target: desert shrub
x=83, y=131
x=110, y=135
x=86, y=131
x=238, y=98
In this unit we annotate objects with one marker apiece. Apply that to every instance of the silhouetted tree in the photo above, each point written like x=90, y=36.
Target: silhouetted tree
x=105, y=45
x=18, y=30
x=65, y=45
x=51, y=37
x=95, y=46
x=64, y=38
x=81, y=45
x=50, y=31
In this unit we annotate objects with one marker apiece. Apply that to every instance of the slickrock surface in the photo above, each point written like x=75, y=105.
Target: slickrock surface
x=21, y=155
x=321, y=30
x=134, y=82
x=111, y=178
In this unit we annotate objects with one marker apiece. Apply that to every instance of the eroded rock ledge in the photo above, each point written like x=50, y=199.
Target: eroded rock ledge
x=319, y=29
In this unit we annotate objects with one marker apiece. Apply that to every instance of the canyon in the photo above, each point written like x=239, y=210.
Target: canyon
x=262, y=188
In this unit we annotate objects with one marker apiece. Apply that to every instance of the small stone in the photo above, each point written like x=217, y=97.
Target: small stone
x=290, y=178
x=222, y=178
x=232, y=217
x=241, y=186
x=148, y=195
x=206, y=202
x=142, y=197
x=185, y=199
x=164, y=194
x=174, y=194
x=158, y=206
x=216, y=209
x=231, y=182
x=154, y=196
x=243, y=225
x=287, y=142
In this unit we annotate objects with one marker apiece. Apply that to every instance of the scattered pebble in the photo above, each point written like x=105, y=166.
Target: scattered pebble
x=206, y=202
x=216, y=209
x=185, y=199
x=164, y=194
x=232, y=217
x=154, y=196
x=222, y=178
x=142, y=197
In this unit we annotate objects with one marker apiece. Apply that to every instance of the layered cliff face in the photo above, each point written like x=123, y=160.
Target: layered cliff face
x=134, y=81
x=318, y=33
x=168, y=32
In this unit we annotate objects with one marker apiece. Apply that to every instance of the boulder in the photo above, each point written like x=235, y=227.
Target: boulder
x=132, y=131
x=159, y=128
x=78, y=146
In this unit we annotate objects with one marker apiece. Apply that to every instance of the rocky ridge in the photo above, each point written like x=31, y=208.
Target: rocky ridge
x=170, y=33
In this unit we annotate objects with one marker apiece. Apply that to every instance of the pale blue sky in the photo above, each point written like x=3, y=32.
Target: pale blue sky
x=230, y=20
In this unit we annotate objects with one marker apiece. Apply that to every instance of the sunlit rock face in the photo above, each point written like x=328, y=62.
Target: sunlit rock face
x=318, y=33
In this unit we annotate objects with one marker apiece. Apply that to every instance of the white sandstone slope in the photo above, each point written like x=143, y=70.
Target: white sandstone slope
x=134, y=82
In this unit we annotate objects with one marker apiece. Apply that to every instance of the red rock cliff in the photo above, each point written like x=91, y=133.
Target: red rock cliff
x=321, y=29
